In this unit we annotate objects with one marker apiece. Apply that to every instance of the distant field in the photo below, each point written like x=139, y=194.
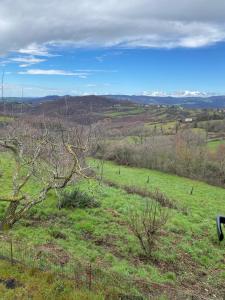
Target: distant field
x=5, y=118
x=165, y=127
x=122, y=113
x=213, y=145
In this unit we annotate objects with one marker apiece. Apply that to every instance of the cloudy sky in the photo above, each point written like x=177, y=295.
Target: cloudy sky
x=112, y=46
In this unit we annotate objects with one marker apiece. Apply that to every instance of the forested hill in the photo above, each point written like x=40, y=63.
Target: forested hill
x=188, y=102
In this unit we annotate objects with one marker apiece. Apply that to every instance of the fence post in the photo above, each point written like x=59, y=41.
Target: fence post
x=11, y=251
x=89, y=276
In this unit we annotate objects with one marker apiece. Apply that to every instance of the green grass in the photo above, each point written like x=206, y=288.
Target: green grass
x=34, y=284
x=5, y=118
x=130, y=112
x=213, y=145
x=165, y=127
x=191, y=234
x=188, y=255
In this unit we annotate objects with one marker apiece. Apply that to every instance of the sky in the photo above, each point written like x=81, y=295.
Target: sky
x=142, y=47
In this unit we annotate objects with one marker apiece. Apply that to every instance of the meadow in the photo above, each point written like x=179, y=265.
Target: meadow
x=189, y=261
x=214, y=145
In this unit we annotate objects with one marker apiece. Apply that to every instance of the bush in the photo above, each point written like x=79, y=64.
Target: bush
x=147, y=224
x=158, y=196
x=77, y=199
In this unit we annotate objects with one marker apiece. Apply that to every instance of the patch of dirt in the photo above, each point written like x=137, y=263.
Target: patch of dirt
x=58, y=235
x=129, y=297
x=53, y=254
x=107, y=242
x=197, y=280
x=190, y=285
x=113, y=212
x=117, y=216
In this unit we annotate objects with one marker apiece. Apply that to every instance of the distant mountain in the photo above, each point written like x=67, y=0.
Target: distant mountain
x=184, y=101
x=31, y=99
x=81, y=109
x=188, y=102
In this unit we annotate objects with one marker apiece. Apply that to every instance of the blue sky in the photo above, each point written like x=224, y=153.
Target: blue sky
x=111, y=49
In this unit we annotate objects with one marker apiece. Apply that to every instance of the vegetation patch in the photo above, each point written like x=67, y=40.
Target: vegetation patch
x=77, y=199
x=31, y=283
x=158, y=196
x=53, y=253
x=147, y=224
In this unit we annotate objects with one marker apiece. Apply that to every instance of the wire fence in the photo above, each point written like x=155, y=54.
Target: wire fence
x=88, y=275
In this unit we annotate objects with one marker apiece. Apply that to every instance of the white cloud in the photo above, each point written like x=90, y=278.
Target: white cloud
x=34, y=49
x=191, y=94
x=155, y=94
x=27, y=61
x=97, y=71
x=52, y=72
x=186, y=93
x=36, y=25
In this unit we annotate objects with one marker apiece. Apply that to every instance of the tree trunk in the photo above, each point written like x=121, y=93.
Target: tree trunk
x=10, y=216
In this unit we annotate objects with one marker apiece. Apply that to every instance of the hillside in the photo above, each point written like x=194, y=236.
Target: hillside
x=189, y=262
x=191, y=102
x=84, y=110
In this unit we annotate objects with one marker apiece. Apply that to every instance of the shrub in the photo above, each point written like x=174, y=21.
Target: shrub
x=77, y=199
x=158, y=196
x=147, y=224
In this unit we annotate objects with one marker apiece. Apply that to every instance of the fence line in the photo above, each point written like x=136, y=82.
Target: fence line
x=92, y=276
x=88, y=275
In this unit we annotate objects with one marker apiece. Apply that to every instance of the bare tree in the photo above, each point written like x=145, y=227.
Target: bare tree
x=50, y=159
x=146, y=224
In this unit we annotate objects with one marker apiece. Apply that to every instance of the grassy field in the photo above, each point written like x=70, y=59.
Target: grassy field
x=127, y=112
x=213, y=145
x=30, y=283
x=165, y=128
x=188, y=262
x=5, y=118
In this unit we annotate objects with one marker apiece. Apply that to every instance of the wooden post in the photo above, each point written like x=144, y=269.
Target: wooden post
x=11, y=251
x=89, y=276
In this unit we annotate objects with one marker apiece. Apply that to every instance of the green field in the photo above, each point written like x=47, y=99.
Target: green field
x=213, y=145
x=31, y=283
x=128, y=112
x=5, y=118
x=188, y=262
